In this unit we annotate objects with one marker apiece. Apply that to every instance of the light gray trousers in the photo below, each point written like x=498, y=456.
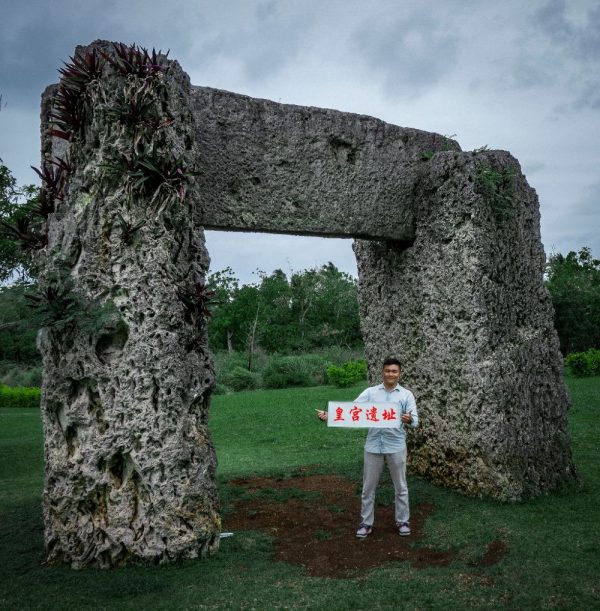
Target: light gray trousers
x=373, y=466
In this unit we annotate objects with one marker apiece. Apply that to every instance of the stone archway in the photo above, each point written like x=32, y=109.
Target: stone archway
x=450, y=279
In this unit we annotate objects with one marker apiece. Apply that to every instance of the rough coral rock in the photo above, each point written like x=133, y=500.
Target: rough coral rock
x=130, y=464
x=465, y=308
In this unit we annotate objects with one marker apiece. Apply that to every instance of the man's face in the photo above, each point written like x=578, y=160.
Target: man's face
x=391, y=375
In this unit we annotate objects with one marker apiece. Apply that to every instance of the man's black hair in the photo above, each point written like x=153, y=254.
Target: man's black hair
x=392, y=360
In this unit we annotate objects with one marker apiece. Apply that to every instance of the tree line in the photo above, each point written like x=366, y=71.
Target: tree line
x=279, y=313
x=311, y=309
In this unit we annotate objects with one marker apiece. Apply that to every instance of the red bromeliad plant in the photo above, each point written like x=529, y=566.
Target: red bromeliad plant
x=68, y=114
x=81, y=71
x=134, y=60
x=149, y=172
x=54, y=175
x=196, y=301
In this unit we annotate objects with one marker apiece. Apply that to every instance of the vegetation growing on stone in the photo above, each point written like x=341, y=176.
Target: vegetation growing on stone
x=152, y=175
x=61, y=307
x=134, y=60
x=113, y=367
x=53, y=175
x=196, y=301
x=496, y=185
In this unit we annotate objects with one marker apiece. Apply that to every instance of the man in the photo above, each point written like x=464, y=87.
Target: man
x=389, y=445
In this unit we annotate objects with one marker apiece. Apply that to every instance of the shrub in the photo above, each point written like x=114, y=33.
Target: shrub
x=316, y=367
x=14, y=374
x=285, y=371
x=19, y=397
x=584, y=364
x=225, y=361
x=301, y=370
x=221, y=389
x=239, y=378
x=338, y=355
x=349, y=373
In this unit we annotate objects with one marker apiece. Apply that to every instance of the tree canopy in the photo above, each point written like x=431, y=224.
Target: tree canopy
x=574, y=284
x=15, y=203
x=310, y=309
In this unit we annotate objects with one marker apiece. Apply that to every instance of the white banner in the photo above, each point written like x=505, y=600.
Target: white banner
x=363, y=415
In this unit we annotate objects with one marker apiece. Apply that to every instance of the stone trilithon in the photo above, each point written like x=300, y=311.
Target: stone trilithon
x=138, y=162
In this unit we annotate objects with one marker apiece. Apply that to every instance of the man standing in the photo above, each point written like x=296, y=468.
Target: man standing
x=389, y=445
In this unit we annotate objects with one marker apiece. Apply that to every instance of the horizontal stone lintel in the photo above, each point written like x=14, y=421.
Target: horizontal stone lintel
x=270, y=167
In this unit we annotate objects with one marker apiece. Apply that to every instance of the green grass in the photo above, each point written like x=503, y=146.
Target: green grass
x=553, y=541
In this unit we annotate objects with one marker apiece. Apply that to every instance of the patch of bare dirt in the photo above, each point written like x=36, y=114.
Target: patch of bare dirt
x=317, y=531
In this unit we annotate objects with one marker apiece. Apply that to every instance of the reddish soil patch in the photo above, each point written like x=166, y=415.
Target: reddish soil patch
x=317, y=530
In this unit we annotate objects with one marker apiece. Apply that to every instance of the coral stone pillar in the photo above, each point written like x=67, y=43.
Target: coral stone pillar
x=130, y=464
x=465, y=308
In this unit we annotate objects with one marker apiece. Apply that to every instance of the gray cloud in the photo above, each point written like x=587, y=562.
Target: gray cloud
x=30, y=49
x=411, y=52
x=565, y=48
x=35, y=36
x=261, y=45
x=553, y=22
x=571, y=225
x=587, y=211
x=580, y=41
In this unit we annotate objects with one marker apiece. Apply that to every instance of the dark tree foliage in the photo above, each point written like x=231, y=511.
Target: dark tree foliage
x=574, y=284
x=16, y=204
x=18, y=326
x=18, y=322
x=311, y=309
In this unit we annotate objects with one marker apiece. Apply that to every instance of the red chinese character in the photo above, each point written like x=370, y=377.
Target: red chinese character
x=372, y=414
x=339, y=413
x=389, y=414
x=355, y=413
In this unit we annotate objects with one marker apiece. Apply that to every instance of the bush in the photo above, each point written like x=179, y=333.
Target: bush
x=15, y=374
x=316, y=367
x=221, y=389
x=278, y=371
x=285, y=371
x=584, y=364
x=239, y=378
x=338, y=355
x=348, y=374
x=19, y=397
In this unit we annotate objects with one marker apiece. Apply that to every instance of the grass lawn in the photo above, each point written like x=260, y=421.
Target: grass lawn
x=553, y=542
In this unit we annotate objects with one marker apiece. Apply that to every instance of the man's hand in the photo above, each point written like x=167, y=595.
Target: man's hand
x=321, y=415
x=406, y=418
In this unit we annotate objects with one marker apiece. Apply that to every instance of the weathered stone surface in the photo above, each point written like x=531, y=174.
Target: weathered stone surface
x=466, y=310
x=309, y=171
x=450, y=270
x=130, y=464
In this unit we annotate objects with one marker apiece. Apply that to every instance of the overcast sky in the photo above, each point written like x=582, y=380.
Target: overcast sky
x=512, y=75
